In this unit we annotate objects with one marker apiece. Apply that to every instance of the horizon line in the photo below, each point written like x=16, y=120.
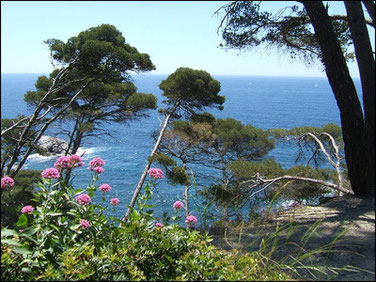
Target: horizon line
x=210, y=74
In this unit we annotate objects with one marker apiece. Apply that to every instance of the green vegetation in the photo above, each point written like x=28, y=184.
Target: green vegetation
x=12, y=200
x=64, y=238
x=188, y=91
x=310, y=33
x=62, y=235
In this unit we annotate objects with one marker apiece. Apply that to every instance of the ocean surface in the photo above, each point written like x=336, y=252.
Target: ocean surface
x=264, y=102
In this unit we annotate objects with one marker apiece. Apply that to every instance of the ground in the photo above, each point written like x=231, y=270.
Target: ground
x=337, y=238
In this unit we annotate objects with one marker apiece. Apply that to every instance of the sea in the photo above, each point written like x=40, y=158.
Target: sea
x=264, y=102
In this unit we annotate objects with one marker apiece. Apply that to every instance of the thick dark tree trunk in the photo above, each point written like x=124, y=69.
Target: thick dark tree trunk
x=366, y=65
x=353, y=127
x=370, y=6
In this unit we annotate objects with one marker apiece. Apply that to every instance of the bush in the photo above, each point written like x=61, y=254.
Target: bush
x=12, y=200
x=67, y=237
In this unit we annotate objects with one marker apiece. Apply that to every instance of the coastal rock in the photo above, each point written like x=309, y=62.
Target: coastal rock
x=51, y=145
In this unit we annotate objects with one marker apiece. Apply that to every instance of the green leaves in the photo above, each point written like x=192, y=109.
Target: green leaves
x=22, y=221
x=194, y=89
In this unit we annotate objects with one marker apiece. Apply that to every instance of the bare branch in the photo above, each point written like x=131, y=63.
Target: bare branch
x=43, y=129
x=259, y=181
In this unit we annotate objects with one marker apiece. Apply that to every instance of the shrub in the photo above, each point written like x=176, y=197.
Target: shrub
x=68, y=239
x=13, y=199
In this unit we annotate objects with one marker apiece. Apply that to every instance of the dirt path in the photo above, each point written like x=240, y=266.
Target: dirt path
x=342, y=231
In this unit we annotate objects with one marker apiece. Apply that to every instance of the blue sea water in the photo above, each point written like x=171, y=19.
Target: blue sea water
x=264, y=102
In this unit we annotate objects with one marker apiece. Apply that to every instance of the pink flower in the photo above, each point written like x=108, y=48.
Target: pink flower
x=20, y=231
x=62, y=163
x=83, y=199
x=178, y=205
x=85, y=223
x=27, y=209
x=95, y=163
x=7, y=182
x=158, y=224
x=191, y=219
x=114, y=202
x=71, y=161
x=156, y=173
x=105, y=187
x=75, y=161
x=50, y=173
x=98, y=169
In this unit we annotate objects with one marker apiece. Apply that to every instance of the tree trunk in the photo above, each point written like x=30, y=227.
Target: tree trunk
x=352, y=121
x=44, y=128
x=143, y=176
x=71, y=137
x=186, y=193
x=370, y=6
x=366, y=65
x=76, y=144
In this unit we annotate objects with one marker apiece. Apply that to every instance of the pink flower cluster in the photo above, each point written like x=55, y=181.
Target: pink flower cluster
x=105, y=187
x=7, y=182
x=158, y=224
x=178, y=205
x=83, y=199
x=191, y=219
x=96, y=162
x=85, y=223
x=156, y=173
x=99, y=169
x=50, y=173
x=27, y=209
x=65, y=162
x=114, y=202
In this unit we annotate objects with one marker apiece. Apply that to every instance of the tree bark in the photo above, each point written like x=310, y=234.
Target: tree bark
x=143, y=176
x=370, y=6
x=353, y=127
x=186, y=193
x=366, y=66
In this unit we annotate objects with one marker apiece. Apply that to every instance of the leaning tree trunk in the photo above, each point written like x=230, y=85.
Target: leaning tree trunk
x=366, y=65
x=345, y=93
x=186, y=193
x=76, y=145
x=14, y=172
x=143, y=176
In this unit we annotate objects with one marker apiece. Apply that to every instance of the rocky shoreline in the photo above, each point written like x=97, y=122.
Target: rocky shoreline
x=48, y=145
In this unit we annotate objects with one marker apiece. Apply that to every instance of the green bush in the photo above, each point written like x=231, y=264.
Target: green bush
x=54, y=245
x=12, y=200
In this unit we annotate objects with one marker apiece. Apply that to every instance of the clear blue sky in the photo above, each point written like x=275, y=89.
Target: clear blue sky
x=174, y=34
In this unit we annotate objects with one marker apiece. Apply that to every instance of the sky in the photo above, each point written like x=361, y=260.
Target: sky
x=174, y=33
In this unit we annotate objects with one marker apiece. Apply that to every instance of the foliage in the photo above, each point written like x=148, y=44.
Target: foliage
x=53, y=245
x=193, y=89
x=18, y=196
x=243, y=170
x=178, y=175
x=162, y=159
x=245, y=25
x=111, y=96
